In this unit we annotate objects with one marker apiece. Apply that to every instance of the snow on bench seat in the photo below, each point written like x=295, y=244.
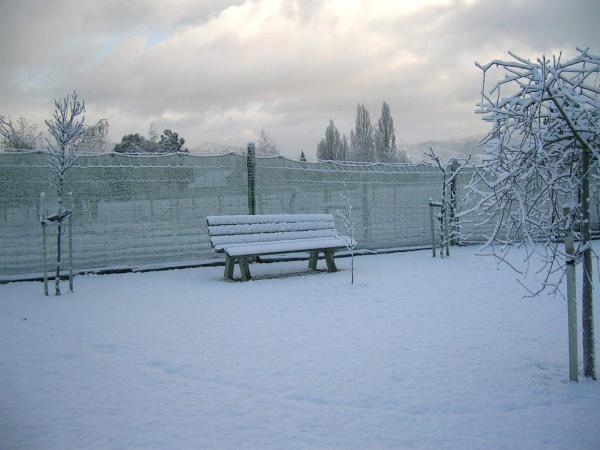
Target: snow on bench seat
x=243, y=236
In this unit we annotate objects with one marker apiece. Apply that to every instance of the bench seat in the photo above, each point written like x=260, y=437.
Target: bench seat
x=243, y=237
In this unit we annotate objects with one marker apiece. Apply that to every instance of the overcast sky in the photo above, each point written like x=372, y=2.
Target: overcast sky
x=220, y=71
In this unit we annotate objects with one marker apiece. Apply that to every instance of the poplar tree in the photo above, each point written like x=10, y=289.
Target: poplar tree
x=385, y=142
x=362, y=137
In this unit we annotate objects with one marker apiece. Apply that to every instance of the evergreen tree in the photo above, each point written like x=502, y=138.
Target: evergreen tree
x=170, y=142
x=302, y=156
x=132, y=143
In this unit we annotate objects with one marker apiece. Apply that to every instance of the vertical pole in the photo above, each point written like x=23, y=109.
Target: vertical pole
x=447, y=230
x=251, y=166
x=58, y=246
x=444, y=215
x=365, y=210
x=571, y=300
x=395, y=216
x=587, y=300
x=352, y=266
x=453, y=203
x=432, y=226
x=43, y=222
x=70, y=224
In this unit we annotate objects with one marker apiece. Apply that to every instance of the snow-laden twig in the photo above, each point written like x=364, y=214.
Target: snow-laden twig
x=66, y=128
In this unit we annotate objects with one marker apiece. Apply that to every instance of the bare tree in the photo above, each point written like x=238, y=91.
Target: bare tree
x=267, y=146
x=20, y=135
x=94, y=138
x=66, y=128
x=541, y=151
x=448, y=223
x=346, y=215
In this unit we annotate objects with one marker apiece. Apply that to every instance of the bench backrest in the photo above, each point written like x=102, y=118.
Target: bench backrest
x=245, y=229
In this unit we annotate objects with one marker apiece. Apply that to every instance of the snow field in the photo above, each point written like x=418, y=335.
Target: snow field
x=419, y=353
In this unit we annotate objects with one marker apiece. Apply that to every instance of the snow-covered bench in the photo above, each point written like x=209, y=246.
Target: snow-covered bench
x=243, y=237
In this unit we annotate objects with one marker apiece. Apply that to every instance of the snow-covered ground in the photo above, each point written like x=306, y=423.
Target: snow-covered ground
x=419, y=353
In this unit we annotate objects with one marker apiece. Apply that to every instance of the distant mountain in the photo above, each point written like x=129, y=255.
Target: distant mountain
x=446, y=149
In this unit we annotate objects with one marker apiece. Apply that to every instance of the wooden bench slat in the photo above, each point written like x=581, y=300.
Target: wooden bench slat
x=257, y=228
x=302, y=244
x=221, y=242
x=267, y=218
x=298, y=245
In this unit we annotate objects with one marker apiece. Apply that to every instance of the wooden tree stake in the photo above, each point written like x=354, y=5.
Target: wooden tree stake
x=432, y=223
x=43, y=223
x=70, y=225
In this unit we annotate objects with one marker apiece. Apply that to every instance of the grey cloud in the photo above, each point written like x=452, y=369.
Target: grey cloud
x=214, y=79
x=538, y=24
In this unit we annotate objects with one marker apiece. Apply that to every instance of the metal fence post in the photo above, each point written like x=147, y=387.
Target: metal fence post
x=251, y=166
x=366, y=221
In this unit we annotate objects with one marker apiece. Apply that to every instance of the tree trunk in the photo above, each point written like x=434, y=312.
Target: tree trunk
x=589, y=366
x=58, y=234
x=587, y=309
x=571, y=300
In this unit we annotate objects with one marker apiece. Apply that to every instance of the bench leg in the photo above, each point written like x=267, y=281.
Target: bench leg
x=243, y=262
x=312, y=261
x=229, y=266
x=330, y=261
